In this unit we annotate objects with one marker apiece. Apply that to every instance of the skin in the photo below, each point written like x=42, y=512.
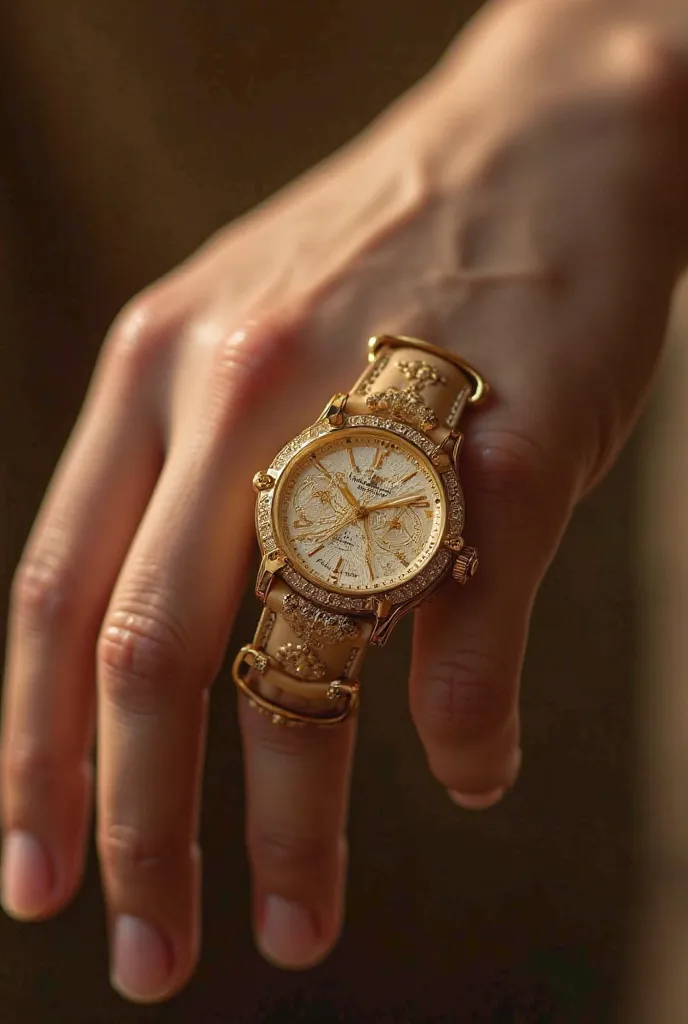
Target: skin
x=524, y=206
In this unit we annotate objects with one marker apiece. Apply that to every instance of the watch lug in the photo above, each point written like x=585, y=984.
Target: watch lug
x=334, y=410
x=387, y=616
x=270, y=565
x=458, y=445
x=446, y=455
x=441, y=461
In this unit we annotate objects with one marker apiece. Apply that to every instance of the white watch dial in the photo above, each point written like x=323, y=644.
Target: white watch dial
x=360, y=512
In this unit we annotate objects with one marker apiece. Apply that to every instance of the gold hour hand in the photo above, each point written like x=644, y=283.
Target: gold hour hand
x=324, y=535
x=343, y=487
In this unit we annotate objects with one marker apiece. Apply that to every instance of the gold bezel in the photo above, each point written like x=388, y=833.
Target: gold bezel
x=314, y=446
x=424, y=578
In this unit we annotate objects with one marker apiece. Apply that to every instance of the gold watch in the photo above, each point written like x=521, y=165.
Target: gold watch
x=359, y=519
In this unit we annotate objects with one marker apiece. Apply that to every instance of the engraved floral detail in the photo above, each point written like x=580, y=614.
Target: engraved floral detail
x=372, y=375
x=419, y=373
x=407, y=404
x=301, y=661
x=261, y=662
x=317, y=626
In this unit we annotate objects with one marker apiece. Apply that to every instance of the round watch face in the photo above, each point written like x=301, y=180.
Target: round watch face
x=360, y=511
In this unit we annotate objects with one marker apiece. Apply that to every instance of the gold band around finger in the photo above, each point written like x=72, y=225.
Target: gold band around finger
x=339, y=689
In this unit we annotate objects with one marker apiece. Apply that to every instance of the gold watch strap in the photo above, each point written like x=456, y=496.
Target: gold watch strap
x=412, y=381
x=304, y=660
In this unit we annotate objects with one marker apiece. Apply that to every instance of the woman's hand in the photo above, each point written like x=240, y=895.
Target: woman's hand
x=522, y=206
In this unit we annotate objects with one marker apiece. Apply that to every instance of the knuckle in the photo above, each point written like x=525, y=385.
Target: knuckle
x=289, y=855
x=649, y=67
x=296, y=747
x=144, y=329
x=31, y=767
x=470, y=696
x=243, y=365
x=43, y=594
x=124, y=851
x=143, y=655
x=507, y=465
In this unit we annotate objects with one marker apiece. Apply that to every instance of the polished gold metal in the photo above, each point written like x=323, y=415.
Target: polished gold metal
x=301, y=661
x=441, y=461
x=330, y=623
x=419, y=373
x=310, y=587
x=339, y=689
x=480, y=385
x=263, y=481
x=406, y=404
x=334, y=410
x=316, y=625
x=407, y=439
x=465, y=565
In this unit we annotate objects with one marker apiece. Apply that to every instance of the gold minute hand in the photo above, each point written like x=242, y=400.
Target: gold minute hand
x=368, y=547
x=409, y=499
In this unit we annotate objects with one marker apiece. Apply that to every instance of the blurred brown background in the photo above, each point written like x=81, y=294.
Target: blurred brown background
x=129, y=132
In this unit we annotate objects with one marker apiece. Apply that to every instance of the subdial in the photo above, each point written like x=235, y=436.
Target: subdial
x=317, y=502
x=399, y=529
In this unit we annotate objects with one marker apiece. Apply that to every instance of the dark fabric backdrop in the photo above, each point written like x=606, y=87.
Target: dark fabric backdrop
x=129, y=132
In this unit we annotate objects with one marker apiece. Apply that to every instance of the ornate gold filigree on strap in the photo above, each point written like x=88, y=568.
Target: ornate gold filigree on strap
x=372, y=374
x=407, y=403
x=300, y=660
x=315, y=625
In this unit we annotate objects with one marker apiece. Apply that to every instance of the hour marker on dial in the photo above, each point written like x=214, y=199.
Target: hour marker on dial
x=322, y=469
x=362, y=536
x=380, y=456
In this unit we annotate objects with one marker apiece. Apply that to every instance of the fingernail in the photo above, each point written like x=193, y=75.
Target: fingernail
x=141, y=959
x=481, y=801
x=477, y=801
x=28, y=875
x=288, y=935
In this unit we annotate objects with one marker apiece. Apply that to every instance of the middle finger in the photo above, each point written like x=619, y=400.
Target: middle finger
x=160, y=647
x=297, y=782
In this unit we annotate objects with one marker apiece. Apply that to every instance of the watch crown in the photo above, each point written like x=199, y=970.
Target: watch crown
x=465, y=565
x=262, y=481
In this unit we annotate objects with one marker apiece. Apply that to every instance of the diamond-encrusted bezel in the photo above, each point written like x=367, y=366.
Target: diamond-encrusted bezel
x=428, y=575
